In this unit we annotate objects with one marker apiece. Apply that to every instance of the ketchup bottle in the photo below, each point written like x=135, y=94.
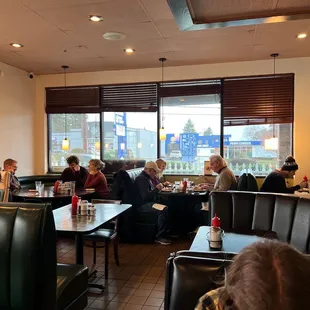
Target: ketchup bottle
x=74, y=203
x=216, y=221
x=56, y=186
x=184, y=185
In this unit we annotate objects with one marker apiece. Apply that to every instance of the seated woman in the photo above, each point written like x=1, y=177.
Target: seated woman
x=267, y=275
x=275, y=181
x=96, y=179
x=161, y=164
x=74, y=172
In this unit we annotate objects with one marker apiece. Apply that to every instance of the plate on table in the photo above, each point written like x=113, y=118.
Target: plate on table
x=167, y=189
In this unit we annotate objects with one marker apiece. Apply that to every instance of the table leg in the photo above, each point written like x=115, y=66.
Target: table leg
x=79, y=253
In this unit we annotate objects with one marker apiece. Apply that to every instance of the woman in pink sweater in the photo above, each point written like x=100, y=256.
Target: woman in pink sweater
x=96, y=178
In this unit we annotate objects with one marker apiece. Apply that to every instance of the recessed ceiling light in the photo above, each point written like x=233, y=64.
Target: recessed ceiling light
x=129, y=50
x=95, y=18
x=301, y=35
x=114, y=36
x=17, y=45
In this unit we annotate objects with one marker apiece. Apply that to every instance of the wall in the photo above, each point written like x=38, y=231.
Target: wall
x=17, y=118
x=299, y=66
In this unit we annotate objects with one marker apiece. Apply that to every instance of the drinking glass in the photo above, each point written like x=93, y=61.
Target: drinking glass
x=41, y=189
x=38, y=184
x=72, y=187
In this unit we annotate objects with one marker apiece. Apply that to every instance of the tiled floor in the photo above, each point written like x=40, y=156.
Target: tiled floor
x=137, y=284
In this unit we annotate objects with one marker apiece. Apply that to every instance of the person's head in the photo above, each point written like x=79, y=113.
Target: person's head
x=161, y=164
x=217, y=162
x=289, y=167
x=72, y=161
x=151, y=169
x=267, y=275
x=95, y=165
x=10, y=165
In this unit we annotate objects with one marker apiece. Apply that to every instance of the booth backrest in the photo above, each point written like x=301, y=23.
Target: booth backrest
x=123, y=188
x=27, y=257
x=47, y=179
x=287, y=215
x=190, y=277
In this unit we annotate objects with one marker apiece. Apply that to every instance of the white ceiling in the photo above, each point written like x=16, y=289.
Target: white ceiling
x=57, y=32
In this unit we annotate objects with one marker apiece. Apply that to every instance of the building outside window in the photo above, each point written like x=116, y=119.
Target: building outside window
x=130, y=136
x=83, y=133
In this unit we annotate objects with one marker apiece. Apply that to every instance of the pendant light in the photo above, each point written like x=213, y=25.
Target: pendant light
x=65, y=141
x=162, y=134
x=273, y=143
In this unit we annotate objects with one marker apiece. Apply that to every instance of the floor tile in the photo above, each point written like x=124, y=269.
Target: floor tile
x=156, y=302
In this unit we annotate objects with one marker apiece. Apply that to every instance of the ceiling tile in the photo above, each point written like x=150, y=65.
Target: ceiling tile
x=157, y=9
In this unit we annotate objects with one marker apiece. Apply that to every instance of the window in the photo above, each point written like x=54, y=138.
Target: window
x=244, y=148
x=256, y=109
x=129, y=135
x=83, y=133
x=192, y=125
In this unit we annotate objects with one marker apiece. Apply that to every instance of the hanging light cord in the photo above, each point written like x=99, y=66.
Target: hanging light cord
x=274, y=103
x=162, y=60
x=65, y=82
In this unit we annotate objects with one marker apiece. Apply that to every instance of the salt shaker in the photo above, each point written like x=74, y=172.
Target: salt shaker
x=215, y=233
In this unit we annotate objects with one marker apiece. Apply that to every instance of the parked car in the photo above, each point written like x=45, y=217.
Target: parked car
x=175, y=154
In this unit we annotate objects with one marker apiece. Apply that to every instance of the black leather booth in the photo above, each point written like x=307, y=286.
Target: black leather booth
x=189, y=275
x=47, y=179
x=134, y=227
x=30, y=277
x=287, y=215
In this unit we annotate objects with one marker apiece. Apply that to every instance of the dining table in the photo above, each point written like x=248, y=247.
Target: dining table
x=48, y=195
x=233, y=241
x=81, y=225
x=184, y=208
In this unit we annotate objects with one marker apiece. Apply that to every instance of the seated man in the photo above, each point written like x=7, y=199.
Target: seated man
x=267, y=275
x=225, y=179
x=275, y=181
x=10, y=165
x=146, y=187
x=74, y=172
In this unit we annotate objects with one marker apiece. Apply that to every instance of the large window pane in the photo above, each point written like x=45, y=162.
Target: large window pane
x=192, y=126
x=130, y=135
x=244, y=148
x=83, y=133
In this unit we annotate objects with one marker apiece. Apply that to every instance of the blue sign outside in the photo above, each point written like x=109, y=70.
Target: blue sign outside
x=188, y=146
x=120, y=125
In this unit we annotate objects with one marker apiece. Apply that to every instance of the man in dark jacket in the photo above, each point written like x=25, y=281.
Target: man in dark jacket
x=146, y=188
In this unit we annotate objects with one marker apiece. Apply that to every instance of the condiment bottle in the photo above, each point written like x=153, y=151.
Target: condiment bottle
x=215, y=233
x=74, y=202
x=56, y=186
x=184, y=185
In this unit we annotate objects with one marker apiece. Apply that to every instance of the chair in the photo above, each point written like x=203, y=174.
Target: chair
x=191, y=275
x=30, y=277
x=108, y=233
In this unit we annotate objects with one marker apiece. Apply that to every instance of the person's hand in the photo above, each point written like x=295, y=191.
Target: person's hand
x=159, y=186
x=303, y=184
x=167, y=183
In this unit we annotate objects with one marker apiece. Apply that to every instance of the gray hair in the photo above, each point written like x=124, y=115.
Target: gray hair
x=99, y=165
x=218, y=158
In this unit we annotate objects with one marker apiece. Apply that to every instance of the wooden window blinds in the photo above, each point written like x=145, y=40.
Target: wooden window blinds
x=258, y=100
x=79, y=99
x=129, y=98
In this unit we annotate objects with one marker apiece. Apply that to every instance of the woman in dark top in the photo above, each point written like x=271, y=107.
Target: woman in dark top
x=74, y=172
x=275, y=181
x=96, y=178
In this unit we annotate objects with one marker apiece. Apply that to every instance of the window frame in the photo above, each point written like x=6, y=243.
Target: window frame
x=158, y=110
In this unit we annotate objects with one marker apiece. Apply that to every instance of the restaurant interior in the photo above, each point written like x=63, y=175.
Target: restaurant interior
x=127, y=82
